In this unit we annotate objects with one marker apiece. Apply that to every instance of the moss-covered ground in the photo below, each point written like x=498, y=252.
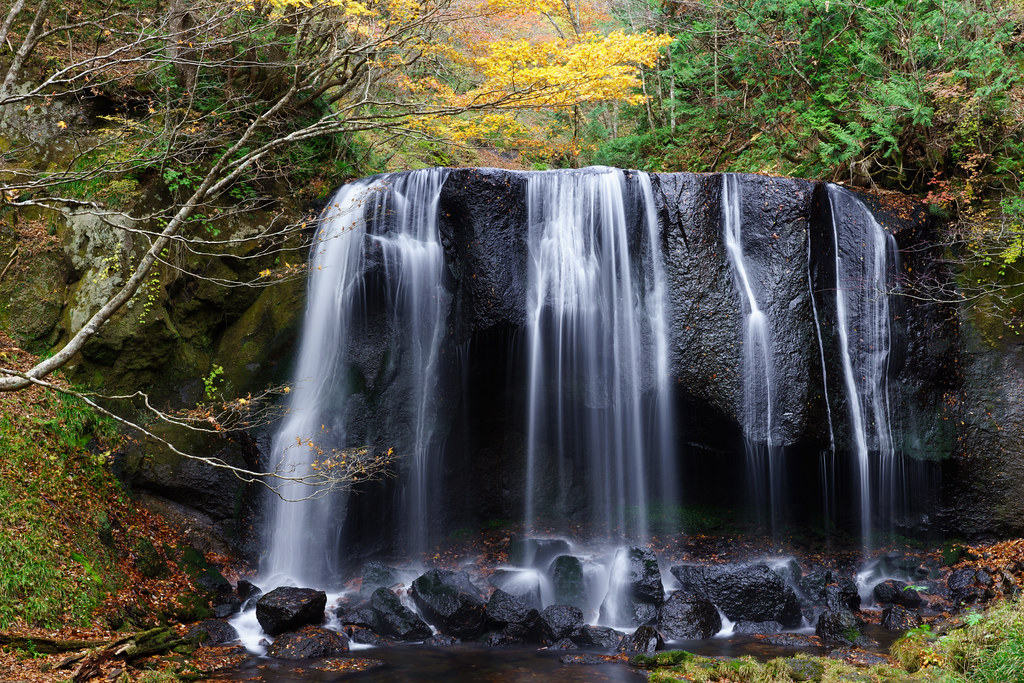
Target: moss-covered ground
x=79, y=560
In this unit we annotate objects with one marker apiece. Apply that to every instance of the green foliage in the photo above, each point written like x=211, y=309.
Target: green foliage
x=989, y=649
x=55, y=568
x=901, y=91
x=210, y=382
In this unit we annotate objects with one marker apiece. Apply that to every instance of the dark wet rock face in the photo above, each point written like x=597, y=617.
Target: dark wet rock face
x=560, y=621
x=599, y=637
x=757, y=627
x=968, y=586
x=747, y=593
x=522, y=584
x=395, y=620
x=287, y=608
x=450, y=601
x=892, y=592
x=362, y=617
x=309, y=642
x=644, y=640
x=686, y=617
x=376, y=575
x=211, y=632
x=826, y=587
x=899, y=618
x=567, y=577
x=641, y=592
x=440, y=640
x=511, y=615
x=841, y=628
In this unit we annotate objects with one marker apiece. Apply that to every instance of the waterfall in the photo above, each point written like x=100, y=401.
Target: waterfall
x=393, y=217
x=865, y=255
x=597, y=350
x=758, y=369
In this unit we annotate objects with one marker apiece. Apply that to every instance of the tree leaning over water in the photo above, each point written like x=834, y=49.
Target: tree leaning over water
x=160, y=119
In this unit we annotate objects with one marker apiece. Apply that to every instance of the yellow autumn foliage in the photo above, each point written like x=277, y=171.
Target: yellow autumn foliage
x=507, y=67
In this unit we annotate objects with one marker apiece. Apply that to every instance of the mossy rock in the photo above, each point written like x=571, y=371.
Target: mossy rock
x=261, y=337
x=149, y=561
x=32, y=297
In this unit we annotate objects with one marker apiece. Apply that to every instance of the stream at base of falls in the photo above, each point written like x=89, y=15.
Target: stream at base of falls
x=475, y=663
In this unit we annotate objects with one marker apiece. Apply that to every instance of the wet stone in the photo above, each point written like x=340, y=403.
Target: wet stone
x=687, y=617
x=567, y=577
x=394, y=619
x=599, y=636
x=644, y=640
x=212, y=632
x=757, y=627
x=309, y=642
x=560, y=621
x=899, y=618
x=287, y=608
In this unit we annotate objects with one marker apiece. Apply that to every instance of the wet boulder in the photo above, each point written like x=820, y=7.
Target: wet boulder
x=599, y=636
x=365, y=636
x=450, y=601
x=560, y=621
x=831, y=589
x=361, y=617
x=644, y=640
x=376, y=575
x=247, y=591
x=524, y=585
x=567, y=577
x=838, y=627
x=395, y=620
x=634, y=598
x=308, y=642
x=968, y=586
x=288, y=608
x=899, y=618
x=441, y=640
x=644, y=579
x=760, y=628
x=687, y=617
x=510, y=615
x=502, y=639
x=537, y=552
x=212, y=632
x=892, y=592
x=742, y=592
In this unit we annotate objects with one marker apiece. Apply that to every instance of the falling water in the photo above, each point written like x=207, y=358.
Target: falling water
x=300, y=550
x=862, y=266
x=598, y=349
x=394, y=216
x=758, y=370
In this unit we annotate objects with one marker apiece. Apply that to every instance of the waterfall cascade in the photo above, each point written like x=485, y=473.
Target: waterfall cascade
x=759, y=384
x=865, y=258
x=596, y=374
x=394, y=217
x=598, y=369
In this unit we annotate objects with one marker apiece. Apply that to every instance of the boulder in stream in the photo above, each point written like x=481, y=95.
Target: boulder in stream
x=687, y=617
x=742, y=592
x=395, y=620
x=308, y=642
x=287, y=608
x=644, y=640
x=450, y=601
x=567, y=577
x=560, y=621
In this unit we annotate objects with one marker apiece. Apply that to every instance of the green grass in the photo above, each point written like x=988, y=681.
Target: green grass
x=988, y=648
x=55, y=569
